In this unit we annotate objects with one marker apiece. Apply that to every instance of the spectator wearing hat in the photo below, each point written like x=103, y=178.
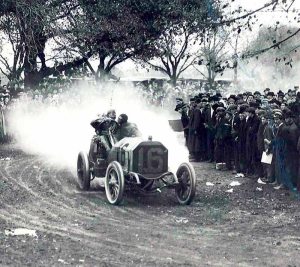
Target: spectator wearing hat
x=270, y=96
x=266, y=91
x=290, y=135
x=283, y=106
x=269, y=135
x=252, y=126
x=221, y=136
x=209, y=114
x=278, y=148
x=280, y=96
x=234, y=134
x=231, y=100
x=228, y=147
x=183, y=110
x=204, y=131
x=240, y=162
x=192, y=106
x=179, y=101
x=260, y=141
x=292, y=96
x=250, y=98
x=195, y=127
x=257, y=95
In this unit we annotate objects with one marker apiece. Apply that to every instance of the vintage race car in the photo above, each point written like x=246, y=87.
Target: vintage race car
x=133, y=163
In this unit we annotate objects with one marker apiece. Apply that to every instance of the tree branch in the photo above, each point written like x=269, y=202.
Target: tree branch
x=48, y=71
x=4, y=61
x=159, y=68
x=183, y=68
x=246, y=15
x=255, y=53
x=90, y=67
x=200, y=72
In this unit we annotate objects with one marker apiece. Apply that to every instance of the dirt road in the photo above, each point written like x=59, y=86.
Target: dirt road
x=247, y=227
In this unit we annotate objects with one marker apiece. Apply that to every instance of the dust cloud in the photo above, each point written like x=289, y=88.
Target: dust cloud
x=58, y=132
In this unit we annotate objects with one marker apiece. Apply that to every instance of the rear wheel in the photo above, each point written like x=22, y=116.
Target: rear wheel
x=186, y=189
x=114, y=183
x=83, y=171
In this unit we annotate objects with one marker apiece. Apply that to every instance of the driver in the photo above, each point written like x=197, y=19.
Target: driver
x=126, y=129
x=101, y=142
x=111, y=114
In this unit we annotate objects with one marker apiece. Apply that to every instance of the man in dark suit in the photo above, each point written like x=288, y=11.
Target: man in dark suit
x=252, y=154
x=209, y=114
x=241, y=143
x=196, y=128
x=183, y=110
x=290, y=134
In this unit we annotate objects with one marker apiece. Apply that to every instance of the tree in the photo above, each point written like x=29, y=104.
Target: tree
x=213, y=52
x=175, y=53
x=114, y=31
x=36, y=24
x=174, y=49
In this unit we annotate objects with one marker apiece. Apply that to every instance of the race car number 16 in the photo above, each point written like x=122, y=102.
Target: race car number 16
x=151, y=160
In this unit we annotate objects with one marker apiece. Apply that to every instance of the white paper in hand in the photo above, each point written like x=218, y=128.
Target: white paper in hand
x=266, y=158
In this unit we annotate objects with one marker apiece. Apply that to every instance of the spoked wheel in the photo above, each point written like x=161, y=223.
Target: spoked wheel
x=83, y=171
x=114, y=183
x=186, y=189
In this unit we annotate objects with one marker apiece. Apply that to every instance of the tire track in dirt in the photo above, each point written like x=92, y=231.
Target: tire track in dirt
x=49, y=201
x=31, y=179
x=61, y=206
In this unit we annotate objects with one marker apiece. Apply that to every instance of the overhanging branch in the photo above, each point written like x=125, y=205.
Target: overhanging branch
x=255, y=53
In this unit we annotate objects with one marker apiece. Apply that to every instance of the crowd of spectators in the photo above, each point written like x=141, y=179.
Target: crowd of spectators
x=250, y=134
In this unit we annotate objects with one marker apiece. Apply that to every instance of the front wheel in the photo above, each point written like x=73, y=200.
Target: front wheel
x=186, y=189
x=83, y=171
x=114, y=183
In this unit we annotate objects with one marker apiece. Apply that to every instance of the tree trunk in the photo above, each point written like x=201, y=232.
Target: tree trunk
x=102, y=71
x=235, y=74
x=34, y=49
x=210, y=77
x=31, y=77
x=173, y=79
